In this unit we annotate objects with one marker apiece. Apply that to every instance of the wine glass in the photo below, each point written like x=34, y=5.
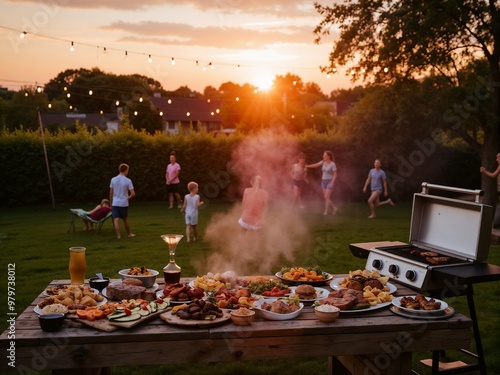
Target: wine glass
x=172, y=272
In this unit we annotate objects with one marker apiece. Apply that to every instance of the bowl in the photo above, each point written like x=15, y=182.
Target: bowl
x=99, y=284
x=326, y=313
x=242, y=317
x=51, y=322
x=269, y=315
x=147, y=280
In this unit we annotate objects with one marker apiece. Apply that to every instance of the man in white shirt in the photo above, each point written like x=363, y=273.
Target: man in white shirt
x=121, y=190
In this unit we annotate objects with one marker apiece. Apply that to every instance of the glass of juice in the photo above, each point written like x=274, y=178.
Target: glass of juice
x=77, y=265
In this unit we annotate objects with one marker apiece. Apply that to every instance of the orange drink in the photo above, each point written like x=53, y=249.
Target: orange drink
x=77, y=265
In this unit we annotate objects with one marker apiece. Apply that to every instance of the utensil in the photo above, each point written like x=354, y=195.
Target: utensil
x=99, y=275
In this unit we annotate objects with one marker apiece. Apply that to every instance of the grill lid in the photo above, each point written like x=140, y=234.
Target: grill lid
x=454, y=227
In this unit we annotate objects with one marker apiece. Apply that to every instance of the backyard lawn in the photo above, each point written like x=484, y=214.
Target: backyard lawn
x=36, y=240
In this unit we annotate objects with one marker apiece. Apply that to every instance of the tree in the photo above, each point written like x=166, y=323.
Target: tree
x=385, y=41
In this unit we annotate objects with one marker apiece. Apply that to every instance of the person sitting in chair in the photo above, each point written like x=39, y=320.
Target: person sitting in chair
x=98, y=213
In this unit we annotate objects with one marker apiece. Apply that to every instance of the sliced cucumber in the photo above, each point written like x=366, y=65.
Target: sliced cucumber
x=162, y=306
x=128, y=318
x=145, y=312
x=136, y=309
x=116, y=315
x=153, y=306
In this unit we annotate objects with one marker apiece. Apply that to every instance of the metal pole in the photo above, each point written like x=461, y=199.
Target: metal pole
x=46, y=159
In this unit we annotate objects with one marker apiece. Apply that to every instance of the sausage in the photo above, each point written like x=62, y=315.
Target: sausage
x=183, y=315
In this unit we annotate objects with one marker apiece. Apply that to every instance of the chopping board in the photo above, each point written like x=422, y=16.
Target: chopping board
x=107, y=326
x=175, y=320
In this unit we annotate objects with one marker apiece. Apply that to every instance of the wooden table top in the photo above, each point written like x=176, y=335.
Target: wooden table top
x=156, y=342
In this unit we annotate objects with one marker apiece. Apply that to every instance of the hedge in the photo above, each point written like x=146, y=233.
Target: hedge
x=82, y=163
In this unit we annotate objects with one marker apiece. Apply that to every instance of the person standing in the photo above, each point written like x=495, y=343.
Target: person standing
x=299, y=177
x=495, y=174
x=190, y=206
x=255, y=205
x=328, y=177
x=378, y=184
x=121, y=190
x=172, y=177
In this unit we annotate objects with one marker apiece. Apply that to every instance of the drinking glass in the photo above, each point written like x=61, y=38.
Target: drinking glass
x=171, y=272
x=77, y=265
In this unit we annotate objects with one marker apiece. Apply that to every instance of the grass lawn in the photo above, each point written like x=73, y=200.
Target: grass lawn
x=36, y=240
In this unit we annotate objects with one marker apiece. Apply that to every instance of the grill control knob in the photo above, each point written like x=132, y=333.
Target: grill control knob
x=377, y=264
x=411, y=275
x=394, y=269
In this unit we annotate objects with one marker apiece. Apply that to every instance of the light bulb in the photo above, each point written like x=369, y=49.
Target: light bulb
x=105, y=52
x=22, y=35
x=173, y=61
x=90, y=92
x=72, y=48
x=150, y=59
x=117, y=103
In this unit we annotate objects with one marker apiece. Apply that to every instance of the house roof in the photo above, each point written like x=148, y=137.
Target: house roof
x=188, y=109
x=66, y=119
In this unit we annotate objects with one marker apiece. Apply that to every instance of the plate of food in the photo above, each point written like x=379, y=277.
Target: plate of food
x=303, y=275
x=198, y=313
x=129, y=289
x=269, y=288
x=355, y=301
x=420, y=305
x=232, y=298
x=308, y=293
x=278, y=309
x=342, y=283
x=73, y=297
x=180, y=293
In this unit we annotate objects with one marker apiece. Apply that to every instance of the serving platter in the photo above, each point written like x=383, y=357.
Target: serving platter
x=320, y=293
x=335, y=284
x=38, y=310
x=371, y=308
x=444, y=314
x=328, y=278
x=159, y=294
x=175, y=320
x=397, y=302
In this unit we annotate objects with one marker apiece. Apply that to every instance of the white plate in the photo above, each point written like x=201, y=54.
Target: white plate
x=159, y=294
x=397, y=302
x=105, y=290
x=335, y=284
x=328, y=277
x=371, y=308
x=38, y=310
x=442, y=315
x=274, y=316
x=320, y=293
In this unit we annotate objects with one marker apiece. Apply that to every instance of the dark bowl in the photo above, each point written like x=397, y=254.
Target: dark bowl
x=99, y=284
x=51, y=322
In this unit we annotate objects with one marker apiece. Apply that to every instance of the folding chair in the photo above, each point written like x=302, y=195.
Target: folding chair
x=82, y=214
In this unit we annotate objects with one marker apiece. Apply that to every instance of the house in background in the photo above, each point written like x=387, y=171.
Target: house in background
x=105, y=121
x=187, y=113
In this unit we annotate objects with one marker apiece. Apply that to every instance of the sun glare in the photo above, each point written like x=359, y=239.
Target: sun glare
x=264, y=81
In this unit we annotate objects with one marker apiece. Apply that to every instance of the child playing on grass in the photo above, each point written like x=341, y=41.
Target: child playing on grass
x=190, y=206
x=98, y=213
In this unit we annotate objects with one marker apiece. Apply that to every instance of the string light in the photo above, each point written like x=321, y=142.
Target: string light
x=72, y=48
x=140, y=99
x=126, y=55
x=117, y=103
x=23, y=34
x=238, y=68
x=173, y=61
x=105, y=52
x=90, y=92
x=150, y=59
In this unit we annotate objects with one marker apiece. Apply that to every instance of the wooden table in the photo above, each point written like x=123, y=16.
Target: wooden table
x=379, y=340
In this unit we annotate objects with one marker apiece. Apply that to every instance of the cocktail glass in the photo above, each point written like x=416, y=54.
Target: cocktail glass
x=172, y=272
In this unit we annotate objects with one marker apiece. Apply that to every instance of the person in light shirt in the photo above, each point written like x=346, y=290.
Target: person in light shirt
x=378, y=185
x=121, y=190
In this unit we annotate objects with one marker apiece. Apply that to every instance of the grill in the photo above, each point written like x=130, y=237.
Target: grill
x=444, y=232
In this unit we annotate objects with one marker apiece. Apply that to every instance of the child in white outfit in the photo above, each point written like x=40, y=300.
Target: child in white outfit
x=190, y=206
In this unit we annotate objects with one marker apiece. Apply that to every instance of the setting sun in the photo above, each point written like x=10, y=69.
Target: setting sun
x=264, y=81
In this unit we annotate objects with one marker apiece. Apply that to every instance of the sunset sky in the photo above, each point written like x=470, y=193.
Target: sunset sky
x=264, y=37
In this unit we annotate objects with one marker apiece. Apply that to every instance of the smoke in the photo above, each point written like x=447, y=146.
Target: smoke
x=284, y=231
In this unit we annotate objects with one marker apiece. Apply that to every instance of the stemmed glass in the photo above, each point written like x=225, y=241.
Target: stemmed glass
x=172, y=272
